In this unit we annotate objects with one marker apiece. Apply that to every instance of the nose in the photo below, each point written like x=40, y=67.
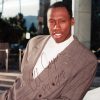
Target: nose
x=57, y=25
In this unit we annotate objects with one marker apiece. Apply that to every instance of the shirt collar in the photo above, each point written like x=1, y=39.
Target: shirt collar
x=62, y=44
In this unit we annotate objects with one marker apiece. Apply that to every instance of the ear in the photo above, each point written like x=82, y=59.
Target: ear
x=72, y=21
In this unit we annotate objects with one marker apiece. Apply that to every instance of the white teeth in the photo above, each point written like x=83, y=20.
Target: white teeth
x=58, y=34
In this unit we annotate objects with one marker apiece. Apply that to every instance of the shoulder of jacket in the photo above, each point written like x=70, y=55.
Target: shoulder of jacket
x=38, y=38
x=86, y=52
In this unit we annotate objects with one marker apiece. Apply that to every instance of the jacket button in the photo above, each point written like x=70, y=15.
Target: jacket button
x=53, y=84
x=40, y=95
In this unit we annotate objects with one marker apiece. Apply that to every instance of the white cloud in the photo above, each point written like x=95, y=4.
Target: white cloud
x=12, y=7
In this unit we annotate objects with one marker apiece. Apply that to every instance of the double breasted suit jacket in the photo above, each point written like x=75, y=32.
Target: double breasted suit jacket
x=67, y=77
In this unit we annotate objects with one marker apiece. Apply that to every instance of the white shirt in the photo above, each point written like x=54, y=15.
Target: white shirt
x=50, y=51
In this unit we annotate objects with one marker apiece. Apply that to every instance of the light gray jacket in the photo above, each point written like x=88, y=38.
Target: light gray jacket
x=67, y=77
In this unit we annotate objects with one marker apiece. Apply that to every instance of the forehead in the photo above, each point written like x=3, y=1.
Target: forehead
x=58, y=11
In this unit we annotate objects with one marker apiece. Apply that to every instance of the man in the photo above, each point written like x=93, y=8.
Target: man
x=55, y=67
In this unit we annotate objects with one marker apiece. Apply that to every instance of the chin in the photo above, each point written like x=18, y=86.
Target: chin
x=58, y=41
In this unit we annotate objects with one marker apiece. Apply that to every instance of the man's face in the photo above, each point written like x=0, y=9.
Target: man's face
x=59, y=23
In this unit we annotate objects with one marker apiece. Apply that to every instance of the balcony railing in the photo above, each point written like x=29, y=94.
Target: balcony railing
x=11, y=58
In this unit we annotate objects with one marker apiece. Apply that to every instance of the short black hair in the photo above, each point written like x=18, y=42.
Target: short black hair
x=62, y=4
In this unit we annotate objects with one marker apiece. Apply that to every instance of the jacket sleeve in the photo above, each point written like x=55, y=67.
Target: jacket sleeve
x=11, y=93
x=7, y=94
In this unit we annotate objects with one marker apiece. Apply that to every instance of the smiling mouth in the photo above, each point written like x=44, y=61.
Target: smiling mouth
x=57, y=35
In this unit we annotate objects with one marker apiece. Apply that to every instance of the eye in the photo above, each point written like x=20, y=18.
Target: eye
x=62, y=21
x=51, y=21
